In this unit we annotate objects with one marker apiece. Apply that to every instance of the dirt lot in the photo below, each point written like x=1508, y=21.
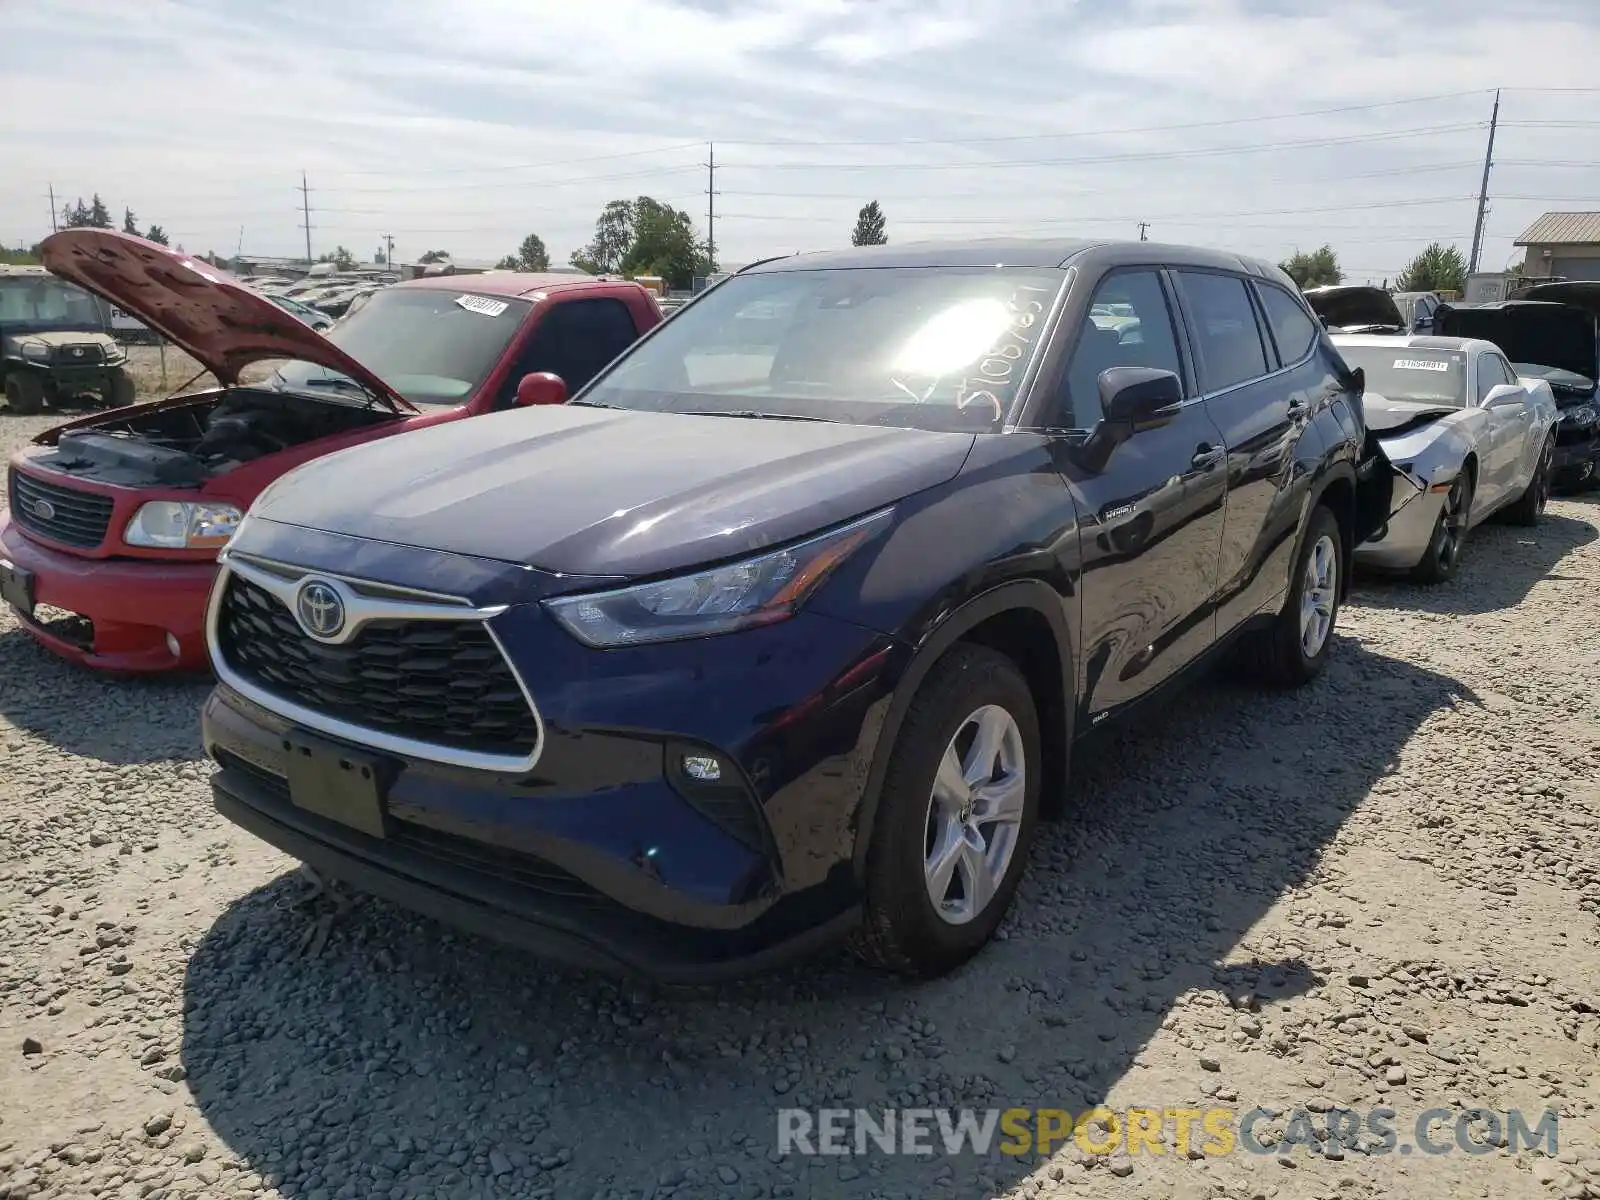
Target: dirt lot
x=1382, y=891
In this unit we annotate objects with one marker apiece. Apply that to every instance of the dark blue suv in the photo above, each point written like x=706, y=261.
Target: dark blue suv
x=785, y=628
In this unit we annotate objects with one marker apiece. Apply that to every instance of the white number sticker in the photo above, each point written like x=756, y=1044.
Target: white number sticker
x=1420, y=364
x=482, y=305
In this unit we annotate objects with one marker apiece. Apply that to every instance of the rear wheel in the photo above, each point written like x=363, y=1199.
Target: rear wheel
x=1442, y=559
x=1292, y=650
x=24, y=393
x=1530, y=506
x=959, y=803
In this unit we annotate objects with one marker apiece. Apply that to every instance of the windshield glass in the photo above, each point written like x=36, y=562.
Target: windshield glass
x=1404, y=373
x=430, y=345
x=934, y=348
x=44, y=302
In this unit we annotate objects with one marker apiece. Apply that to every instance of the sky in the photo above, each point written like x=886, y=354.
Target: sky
x=1261, y=126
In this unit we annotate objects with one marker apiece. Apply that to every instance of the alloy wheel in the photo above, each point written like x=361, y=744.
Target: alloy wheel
x=1453, y=525
x=1542, y=480
x=1319, y=592
x=975, y=814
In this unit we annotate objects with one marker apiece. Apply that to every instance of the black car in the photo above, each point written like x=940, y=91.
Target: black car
x=1550, y=332
x=786, y=627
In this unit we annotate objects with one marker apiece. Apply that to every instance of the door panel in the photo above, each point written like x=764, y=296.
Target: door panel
x=1151, y=521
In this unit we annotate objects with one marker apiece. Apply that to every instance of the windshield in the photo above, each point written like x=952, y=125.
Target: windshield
x=44, y=302
x=430, y=345
x=1405, y=373
x=934, y=348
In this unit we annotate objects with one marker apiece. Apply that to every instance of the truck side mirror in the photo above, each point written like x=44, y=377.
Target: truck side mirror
x=541, y=387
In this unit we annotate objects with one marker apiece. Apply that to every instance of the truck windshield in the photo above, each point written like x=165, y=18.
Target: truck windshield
x=929, y=347
x=430, y=345
x=45, y=303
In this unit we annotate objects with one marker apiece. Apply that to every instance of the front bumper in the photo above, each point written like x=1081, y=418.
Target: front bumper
x=124, y=609
x=1401, y=542
x=1577, y=456
x=73, y=377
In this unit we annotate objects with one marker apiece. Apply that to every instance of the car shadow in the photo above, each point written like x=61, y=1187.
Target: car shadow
x=114, y=720
x=352, y=1049
x=1501, y=565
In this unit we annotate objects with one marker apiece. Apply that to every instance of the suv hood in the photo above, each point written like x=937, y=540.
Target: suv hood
x=222, y=323
x=1584, y=294
x=580, y=490
x=1355, y=307
x=1537, y=332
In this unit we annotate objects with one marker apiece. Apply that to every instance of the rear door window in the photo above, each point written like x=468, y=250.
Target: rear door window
x=1225, y=329
x=575, y=339
x=1128, y=325
x=1292, y=327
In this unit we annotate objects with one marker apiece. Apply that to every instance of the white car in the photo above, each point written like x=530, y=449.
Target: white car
x=1467, y=437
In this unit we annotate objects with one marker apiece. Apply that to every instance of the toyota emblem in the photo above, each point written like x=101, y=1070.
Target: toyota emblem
x=77, y=352
x=319, y=608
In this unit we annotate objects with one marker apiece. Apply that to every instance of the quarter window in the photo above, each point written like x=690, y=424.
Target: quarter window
x=575, y=339
x=1225, y=328
x=1292, y=328
x=1128, y=325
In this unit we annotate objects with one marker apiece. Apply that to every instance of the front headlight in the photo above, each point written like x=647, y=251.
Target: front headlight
x=37, y=351
x=175, y=525
x=756, y=591
x=1583, y=418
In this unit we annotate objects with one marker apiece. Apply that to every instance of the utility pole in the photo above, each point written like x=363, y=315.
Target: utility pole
x=388, y=253
x=1144, y=228
x=305, y=210
x=711, y=204
x=1483, y=189
x=54, y=228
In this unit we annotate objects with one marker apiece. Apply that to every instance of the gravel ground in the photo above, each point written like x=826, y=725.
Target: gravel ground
x=1381, y=890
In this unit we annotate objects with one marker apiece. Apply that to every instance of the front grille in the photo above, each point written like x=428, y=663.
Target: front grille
x=443, y=683
x=81, y=354
x=62, y=514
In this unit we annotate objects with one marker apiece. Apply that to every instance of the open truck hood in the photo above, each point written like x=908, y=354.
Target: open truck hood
x=1352, y=307
x=1555, y=329
x=207, y=312
x=1582, y=293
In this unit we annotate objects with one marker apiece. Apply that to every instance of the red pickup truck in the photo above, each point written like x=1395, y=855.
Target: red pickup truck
x=109, y=549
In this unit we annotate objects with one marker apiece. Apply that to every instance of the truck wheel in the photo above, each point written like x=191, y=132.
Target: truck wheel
x=955, y=818
x=119, y=391
x=1292, y=650
x=24, y=393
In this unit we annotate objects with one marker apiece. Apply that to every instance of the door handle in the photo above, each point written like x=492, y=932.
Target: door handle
x=1207, y=456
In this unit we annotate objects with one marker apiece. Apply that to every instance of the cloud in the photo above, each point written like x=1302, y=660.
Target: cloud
x=466, y=126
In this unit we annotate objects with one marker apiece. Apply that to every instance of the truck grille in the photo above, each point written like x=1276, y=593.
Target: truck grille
x=443, y=683
x=59, y=513
x=81, y=354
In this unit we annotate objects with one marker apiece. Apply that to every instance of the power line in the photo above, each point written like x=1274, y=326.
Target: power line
x=537, y=166
x=1121, y=218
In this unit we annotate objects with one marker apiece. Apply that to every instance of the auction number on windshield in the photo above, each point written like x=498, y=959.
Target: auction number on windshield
x=997, y=370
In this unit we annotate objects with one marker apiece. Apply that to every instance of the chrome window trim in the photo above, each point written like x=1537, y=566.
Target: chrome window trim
x=371, y=609
x=1029, y=383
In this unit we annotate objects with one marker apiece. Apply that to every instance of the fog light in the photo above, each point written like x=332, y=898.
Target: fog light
x=172, y=645
x=703, y=767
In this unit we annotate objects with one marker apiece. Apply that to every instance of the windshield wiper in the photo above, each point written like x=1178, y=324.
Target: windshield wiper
x=339, y=383
x=751, y=414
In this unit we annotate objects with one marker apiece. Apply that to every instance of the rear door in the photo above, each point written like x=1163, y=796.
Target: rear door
x=1262, y=402
x=1151, y=521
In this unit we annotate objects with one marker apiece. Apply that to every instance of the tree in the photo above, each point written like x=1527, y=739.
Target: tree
x=532, y=255
x=157, y=235
x=341, y=259
x=509, y=263
x=645, y=237
x=1439, y=268
x=613, y=235
x=869, y=230
x=1317, y=269
x=130, y=223
x=93, y=215
x=433, y=256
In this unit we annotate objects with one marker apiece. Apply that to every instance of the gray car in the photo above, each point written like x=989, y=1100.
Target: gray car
x=1467, y=436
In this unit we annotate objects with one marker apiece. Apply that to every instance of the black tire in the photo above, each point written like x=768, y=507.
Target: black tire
x=1530, y=506
x=119, y=391
x=24, y=393
x=1442, y=559
x=902, y=930
x=1277, y=655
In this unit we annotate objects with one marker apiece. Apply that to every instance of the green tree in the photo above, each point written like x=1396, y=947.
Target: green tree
x=130, y=223
x=532, y=254
x=869, y=230
x=1439, y=268
x=93, y=215
x=509, y=263
x=613, y=236
x=645, y=237
x=157, y=235
x=341, y=259
x=1317, y=269
x=433, y=256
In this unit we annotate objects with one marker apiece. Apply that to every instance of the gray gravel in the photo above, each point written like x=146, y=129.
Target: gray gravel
x=1382, y=890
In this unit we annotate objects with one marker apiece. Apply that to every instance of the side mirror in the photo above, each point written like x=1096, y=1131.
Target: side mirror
x=541, y=387
x=1132, y=400
x=1503, y=394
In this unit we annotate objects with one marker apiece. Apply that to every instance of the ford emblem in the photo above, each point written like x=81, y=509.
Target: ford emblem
x=319, y=608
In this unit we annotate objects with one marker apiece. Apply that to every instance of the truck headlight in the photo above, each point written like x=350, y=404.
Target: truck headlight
x=178, y=525
x=1583, y=418
x=37, y=351
x=755, y=591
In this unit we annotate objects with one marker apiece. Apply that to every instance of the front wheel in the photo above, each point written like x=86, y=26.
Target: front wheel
x=1291, y=651
x=956, y=816
x=24, y=393
x=119, y=391
x=1442, y=559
